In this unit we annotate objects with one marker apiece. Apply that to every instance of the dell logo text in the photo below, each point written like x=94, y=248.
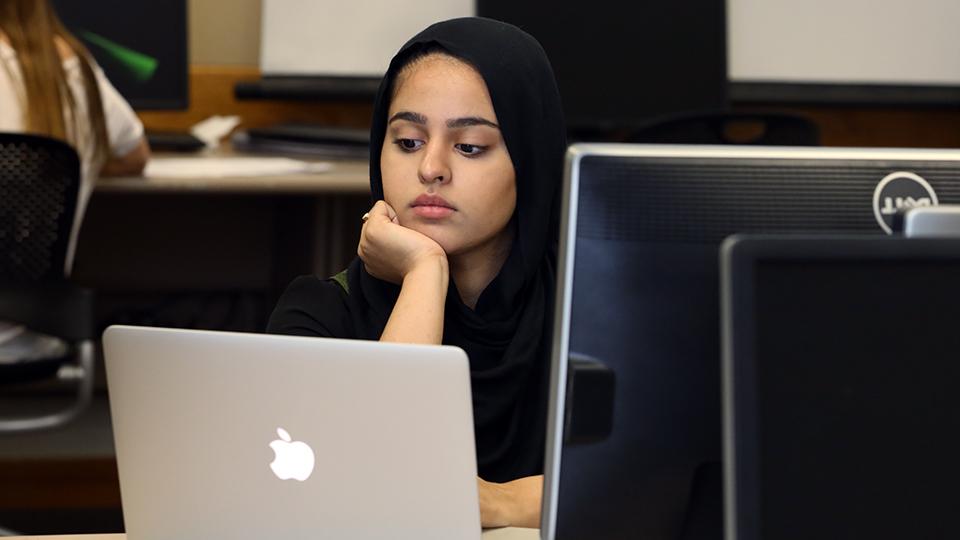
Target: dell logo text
x=892, y=205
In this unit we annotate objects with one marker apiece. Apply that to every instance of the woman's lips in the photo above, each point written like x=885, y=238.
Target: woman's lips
x=432, y=207
x=433, y=212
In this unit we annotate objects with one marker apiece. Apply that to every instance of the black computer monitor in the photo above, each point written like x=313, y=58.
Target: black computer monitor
x=639, y=294
x=141, y=46
x=623, y=64
x=840, y=371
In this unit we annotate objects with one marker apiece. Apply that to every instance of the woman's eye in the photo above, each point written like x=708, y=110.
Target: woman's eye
x=470, y=149
x=408, y=145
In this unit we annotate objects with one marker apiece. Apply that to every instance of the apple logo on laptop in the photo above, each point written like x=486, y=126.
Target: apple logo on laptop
x=292, y=459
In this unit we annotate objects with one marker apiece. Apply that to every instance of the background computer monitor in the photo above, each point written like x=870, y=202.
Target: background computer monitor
x=639, y=292
x=141, y=46
x=840, y=370
x=622, y=64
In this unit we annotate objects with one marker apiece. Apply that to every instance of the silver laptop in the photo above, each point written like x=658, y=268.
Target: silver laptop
x=228, y=435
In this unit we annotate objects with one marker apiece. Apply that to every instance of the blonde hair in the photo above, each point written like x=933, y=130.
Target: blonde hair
x=32, y=26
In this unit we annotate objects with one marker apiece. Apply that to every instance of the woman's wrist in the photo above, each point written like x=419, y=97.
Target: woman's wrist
x=495, y=504
x=433, y=266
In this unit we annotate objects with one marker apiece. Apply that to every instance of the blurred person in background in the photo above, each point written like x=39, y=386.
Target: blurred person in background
x=50, y=85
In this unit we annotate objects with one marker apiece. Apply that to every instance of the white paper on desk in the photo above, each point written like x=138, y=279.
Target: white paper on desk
x=207, y=167
x=211, y=130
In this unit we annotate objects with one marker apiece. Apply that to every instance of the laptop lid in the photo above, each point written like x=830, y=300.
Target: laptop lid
x=840, y=374
x=228, y=435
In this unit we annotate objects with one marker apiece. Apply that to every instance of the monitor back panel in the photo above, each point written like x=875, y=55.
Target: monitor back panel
x=841, y=388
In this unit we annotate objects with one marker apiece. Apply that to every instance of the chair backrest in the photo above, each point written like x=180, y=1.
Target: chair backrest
x=762, y=128
x=39, y=182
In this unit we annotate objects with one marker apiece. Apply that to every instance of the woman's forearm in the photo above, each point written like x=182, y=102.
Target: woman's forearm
x=417, y=317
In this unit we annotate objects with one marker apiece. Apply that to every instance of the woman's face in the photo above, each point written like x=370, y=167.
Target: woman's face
x=446, y=170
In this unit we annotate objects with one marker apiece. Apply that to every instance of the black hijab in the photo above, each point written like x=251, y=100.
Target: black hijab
x=507, y=335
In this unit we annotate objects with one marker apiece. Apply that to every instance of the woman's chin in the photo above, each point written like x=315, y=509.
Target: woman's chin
x=448, y=244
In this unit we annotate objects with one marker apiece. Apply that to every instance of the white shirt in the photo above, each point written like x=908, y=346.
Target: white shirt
x=124, y=129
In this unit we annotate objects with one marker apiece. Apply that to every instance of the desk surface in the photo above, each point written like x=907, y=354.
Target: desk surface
x=345, y=177
x=509, y=533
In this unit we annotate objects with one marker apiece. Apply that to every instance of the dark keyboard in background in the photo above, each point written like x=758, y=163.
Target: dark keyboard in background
x=308, y=139
x=170, y=141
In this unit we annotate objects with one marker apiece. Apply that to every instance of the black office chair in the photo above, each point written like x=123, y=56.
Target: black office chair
x=760, y=128
x=39, y=183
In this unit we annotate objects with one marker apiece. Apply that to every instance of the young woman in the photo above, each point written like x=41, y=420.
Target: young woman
x=466, y=160
x=50, y=85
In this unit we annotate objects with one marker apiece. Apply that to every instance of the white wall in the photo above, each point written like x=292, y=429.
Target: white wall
x=344, y=37
x=845, y=41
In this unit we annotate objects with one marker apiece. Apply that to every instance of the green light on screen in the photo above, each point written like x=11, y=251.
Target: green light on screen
x=141, y=66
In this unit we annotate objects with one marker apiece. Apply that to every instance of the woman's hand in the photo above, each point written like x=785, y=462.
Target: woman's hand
x=512, y=504
x=390, y=251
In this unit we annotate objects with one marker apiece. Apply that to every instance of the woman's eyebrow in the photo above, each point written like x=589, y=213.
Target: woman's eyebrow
x=416, y=118
x=470, y=121
x=453, y=123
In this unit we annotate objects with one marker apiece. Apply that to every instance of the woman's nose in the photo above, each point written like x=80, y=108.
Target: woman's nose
x=434, y=167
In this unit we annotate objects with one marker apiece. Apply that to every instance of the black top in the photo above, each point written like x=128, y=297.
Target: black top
x=507, y=336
